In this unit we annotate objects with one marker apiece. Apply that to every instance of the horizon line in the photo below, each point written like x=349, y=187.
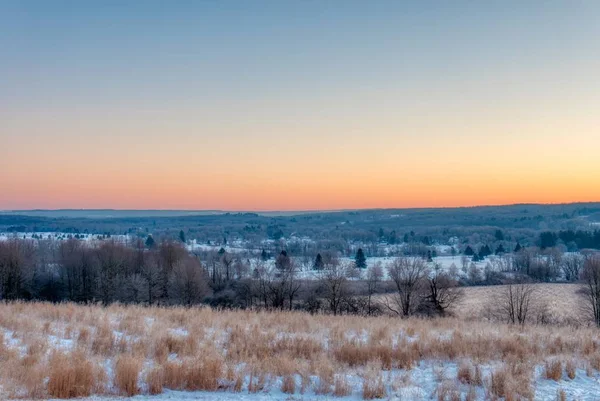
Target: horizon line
x=300, y=210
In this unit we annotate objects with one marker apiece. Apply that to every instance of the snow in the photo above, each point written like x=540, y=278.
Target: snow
x=419, y=383
x=4, y=236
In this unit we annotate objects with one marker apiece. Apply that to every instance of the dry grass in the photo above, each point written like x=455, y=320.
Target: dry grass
x=204, y=349
x=571, y=369
x=127, y=372
x=70, y=375
x=469, y=374
x=155, y=380
x=448, y=391
x=341, y=388
x=562, y=301
x=373, y=387
x=553, y=370
x=512, y=382
x=288, y=385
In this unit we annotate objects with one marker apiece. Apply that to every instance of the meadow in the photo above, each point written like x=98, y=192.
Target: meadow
x=70, y=351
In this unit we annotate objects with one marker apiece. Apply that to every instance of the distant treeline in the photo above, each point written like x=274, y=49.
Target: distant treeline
x=519, y=223
x=573, y=240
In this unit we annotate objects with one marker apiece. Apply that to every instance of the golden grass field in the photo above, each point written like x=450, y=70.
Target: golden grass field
x=561, y=300
x=68, y=350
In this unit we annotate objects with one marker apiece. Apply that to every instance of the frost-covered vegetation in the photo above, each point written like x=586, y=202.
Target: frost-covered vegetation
x=70, y=350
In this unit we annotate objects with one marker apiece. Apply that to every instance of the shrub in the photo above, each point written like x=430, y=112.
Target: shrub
x=553, y=370
x=341, y=388
x=127, y=371
x=288, y=386
x=571, y=369
x=373, y=387
x=155, y=379
x=70, y=376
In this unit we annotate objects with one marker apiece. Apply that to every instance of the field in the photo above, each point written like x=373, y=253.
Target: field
x=68, y=350
x=561, y=301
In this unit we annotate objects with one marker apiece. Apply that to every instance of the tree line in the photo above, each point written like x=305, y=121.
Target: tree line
x=166, y=273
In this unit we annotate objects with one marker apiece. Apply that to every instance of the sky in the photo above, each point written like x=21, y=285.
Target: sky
x=298, y=105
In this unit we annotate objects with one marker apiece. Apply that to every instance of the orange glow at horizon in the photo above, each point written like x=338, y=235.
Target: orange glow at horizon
x=314, y=167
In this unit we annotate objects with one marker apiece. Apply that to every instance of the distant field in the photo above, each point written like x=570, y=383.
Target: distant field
x=562, y=300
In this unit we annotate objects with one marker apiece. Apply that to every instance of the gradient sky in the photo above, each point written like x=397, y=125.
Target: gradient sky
x=290, y=105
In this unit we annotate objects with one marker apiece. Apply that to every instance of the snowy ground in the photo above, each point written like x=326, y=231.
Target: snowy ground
x=4, y=236
x=420, y=383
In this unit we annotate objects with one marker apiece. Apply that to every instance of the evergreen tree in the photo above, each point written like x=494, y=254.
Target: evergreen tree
x=182, y=236
x=361, y=260
x=499, y=235
x=518, y=247
x=318, y=262
x=484, y=251
x=500, y=250
x=150, y=242
x=548, y=239
x=283, y=261
x=221, y=251
x=392, y=239
x=476, y=258
x=263, y=255
x=469, y=251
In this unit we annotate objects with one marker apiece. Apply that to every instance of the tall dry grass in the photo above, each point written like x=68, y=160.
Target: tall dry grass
x=132, y=349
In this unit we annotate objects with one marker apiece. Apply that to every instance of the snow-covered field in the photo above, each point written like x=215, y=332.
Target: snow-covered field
x=61, y=236
x=284, y=356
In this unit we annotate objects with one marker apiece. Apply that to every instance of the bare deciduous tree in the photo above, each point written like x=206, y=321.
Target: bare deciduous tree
x=335, y=286
x=572, y=265
x=442, y=292
x=374, y=277
x=152, y=274
x=517, y=303
x=408, y=275
x=591, y=287
x=16, y=268
x=188, y=283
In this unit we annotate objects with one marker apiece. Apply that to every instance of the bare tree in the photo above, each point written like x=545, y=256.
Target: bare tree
x=294, y=285
x=591, y=287
x=188, y=283
x=226, y=261
x=16, y=269
x=335, y=286
x=442, y=292
x=111, y=263
x=408, y=275
x=171, y=253
x=152, y=275
x=517, y=303
x=262, y=276
x=134, y=289
x=374, y=277
x=572, y=265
